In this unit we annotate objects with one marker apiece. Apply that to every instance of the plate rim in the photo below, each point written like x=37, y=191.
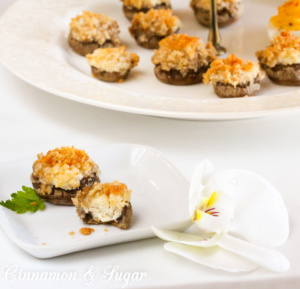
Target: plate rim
x=185, y=115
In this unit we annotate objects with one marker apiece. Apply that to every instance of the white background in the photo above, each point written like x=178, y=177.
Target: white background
x=33, y=121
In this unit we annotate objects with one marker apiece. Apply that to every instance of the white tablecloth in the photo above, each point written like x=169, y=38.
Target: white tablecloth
x=32, y=121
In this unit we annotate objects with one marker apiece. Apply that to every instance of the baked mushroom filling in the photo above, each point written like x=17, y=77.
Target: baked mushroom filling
x=182, y=59
x=84, y=48
x=228, y=11
x=281, y=60
x=90, y=31
x=112, y=64
x=105, y=203
x=175, y=77
x=151, y=27
x=61, y=173
x=233, y=77
x=58, y=195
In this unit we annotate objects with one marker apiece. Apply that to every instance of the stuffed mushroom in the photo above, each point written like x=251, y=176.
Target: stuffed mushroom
x=281, y=60
x=234, y=77
x=112, y=64
x=228, y=11
x=91, y=31
x=151, y=27
x=107, y=203
x=182, y=59
x=131, y=7
x=61, y=173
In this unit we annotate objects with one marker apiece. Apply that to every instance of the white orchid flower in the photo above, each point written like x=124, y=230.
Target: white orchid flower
x=210, y=210
x=232, y=202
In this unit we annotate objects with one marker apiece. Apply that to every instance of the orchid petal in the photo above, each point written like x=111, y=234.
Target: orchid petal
x=201, y=240
x=260, y=214
x=265, y=257
x=213, y=257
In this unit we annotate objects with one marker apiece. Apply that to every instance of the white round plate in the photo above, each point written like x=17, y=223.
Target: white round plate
x=33, y=45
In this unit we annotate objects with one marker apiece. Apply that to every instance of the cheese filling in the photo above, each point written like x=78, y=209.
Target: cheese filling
x=105, y=202
x=284, y=49
x=115, y=59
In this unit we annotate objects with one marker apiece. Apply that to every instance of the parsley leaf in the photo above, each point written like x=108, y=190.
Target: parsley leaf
x=24, y=201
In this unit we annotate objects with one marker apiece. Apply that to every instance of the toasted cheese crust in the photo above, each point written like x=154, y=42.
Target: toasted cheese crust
x=63, y=168
x=139, y=4
x=205, y=4
x=91, y=27
x=232, y=70
x=115, y=59
x=184, y=53
x=288, y=16
x=105, y=202
x=284, y=49
x=156, y=22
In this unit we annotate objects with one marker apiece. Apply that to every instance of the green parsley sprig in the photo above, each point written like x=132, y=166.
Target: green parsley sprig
x=24, y=201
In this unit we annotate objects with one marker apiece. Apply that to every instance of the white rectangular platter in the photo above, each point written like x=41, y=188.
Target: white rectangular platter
x=159, y=198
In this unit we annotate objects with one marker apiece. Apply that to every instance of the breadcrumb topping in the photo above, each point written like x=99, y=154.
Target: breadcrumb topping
x=115, y=59
x=232, y=70
x=284, y=49
x=205, y=4
x=90, y=27
x=139, y=4
x=63, y=168
x=184, y=53
x=156, y=22
x=104, y=201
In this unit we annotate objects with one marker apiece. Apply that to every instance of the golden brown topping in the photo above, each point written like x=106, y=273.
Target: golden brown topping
x=90, y=27
x=63, y=168
x=284, y=49
x=115, y=188
x=145, y=3
x=98, y=189
x=113, y=59
x=86, y=231
x=157, y=22
x=232, y=70
x=63, y=156
x=184, y=53
x=181, y=42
